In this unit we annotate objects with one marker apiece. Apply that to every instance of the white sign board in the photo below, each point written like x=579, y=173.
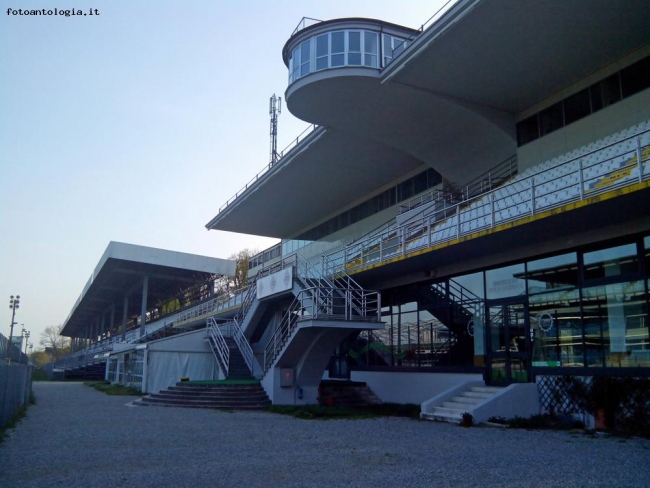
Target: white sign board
x=275, y=283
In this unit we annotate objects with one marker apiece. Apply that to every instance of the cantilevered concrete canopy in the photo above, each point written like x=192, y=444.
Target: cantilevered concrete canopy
x=121, y=272
x=449, y=102
x=294, y=187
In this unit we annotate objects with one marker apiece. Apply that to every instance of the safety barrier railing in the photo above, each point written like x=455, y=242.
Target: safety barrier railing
x=285, y=152
x=218, y=344
x=616, y=165
x=489, y=180
x=319, y=303
x=399, y=49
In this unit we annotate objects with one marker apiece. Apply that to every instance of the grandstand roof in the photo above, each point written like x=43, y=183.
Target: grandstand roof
x=449, y=102
x=120, y=273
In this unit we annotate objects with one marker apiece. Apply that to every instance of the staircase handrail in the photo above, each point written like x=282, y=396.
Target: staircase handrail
x=244, y=346
x=456, y=290
x=218, y=344
x=251, y=294
x=317, y=302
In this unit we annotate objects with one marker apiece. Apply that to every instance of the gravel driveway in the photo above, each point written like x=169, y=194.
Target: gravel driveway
x=77, y=437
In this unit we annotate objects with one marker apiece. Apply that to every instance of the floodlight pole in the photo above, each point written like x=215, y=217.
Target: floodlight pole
x=14, y=303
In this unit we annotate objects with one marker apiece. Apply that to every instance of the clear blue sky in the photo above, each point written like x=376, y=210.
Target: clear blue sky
x=136, y=125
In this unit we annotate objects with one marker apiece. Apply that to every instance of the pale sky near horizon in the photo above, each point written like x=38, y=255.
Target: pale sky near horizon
x=136, y=125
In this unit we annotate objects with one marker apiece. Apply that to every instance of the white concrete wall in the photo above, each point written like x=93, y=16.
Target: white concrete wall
x=412, y=388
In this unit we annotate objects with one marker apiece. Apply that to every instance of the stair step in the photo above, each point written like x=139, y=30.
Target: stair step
x=237, y=397
x=456, y=406
x=470, y=401
x=477, y=394
x=486, y=389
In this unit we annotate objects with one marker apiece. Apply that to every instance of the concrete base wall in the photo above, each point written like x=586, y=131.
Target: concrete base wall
x=412, y=388
x=520, y=400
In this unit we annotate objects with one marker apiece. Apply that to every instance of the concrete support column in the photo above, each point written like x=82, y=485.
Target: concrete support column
x=143, y=309
x=125, y=310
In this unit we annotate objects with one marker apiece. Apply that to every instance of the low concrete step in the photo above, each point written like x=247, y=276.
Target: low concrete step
x=228, y=396
x=456, y=405
x=471, y=401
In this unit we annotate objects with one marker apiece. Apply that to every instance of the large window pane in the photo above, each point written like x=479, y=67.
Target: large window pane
x=527, y=130
x=322, y=51
x=305, y=57
x=505, y=282
x=616, y=325
x=551, y=119
x=556, y=272
x=370, y=48
x=577, y=106
x=354, y=48
x=556, y=329
x=610, y=90
x=636, y=77
x=338, y=48
x=615, y=261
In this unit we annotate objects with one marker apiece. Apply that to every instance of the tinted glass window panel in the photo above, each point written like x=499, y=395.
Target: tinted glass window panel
x=527, y=130
x=322, y=45
x=387, y=48
x=556, y=329
x=610, y=90
x=370, y=60
x=551, y=119
x=616, y=325
x=612, y=262
x=338, y=48
x=420, y=182
x=636, y=78
x=322, y=51
x=577, y=106
x=554, y=273
x=595, y=92
x=471, y=284
x=505, y=282
x=370, y=48
x=354, y=59
x=305, y=56
x=354, y=42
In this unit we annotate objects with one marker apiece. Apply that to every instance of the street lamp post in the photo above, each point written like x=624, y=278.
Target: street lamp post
x=14, y=303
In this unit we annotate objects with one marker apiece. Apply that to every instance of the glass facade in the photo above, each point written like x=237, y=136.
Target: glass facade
x=417, y=184
x=348, y=47
x=614, y=88
x=570, y=312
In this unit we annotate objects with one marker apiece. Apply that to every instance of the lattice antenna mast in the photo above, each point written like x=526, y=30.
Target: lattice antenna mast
x=275, y=107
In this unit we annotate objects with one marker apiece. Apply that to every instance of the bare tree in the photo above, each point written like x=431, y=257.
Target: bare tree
x=54, y=343
x=228, y=284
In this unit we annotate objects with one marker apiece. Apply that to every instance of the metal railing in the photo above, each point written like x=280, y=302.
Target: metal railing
x=584, y=175
x=399, y=49
x=489, y=180
x=218, y=344
x=320, y=303
x=304, y=23
x=285, y=152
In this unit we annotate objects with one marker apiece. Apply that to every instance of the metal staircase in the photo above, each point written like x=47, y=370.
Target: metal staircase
x=316, y=297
